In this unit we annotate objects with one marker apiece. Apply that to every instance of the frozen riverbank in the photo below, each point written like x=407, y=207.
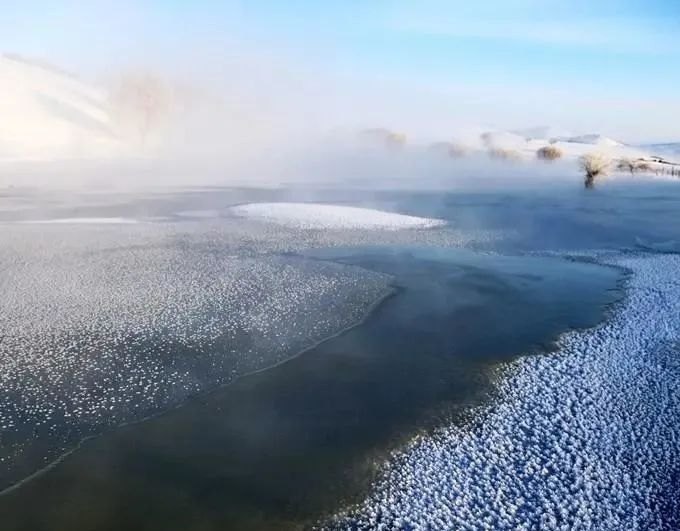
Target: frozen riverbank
x=586, y=438
x=279, y=448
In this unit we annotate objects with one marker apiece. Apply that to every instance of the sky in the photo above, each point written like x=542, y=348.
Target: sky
x=427, y=67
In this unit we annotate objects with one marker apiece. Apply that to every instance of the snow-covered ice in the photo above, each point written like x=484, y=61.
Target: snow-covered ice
x=71, y=221
x=585, y=438
x=101, y=326
x=324, y=216
x=199, y=213
x=104, y=323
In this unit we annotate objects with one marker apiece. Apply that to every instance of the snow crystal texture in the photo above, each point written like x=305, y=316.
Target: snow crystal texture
x=102, y=324
x=322, y=216
x=586, y=438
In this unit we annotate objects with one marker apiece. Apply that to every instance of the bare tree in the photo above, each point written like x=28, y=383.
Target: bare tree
x=633, y=166
x=487, y=139
x=643, y=165
x=140, y=101
x=626, y=165
x=594, y=165
x=457, y=151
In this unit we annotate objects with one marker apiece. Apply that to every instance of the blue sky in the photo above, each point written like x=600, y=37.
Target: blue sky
x=580, y=65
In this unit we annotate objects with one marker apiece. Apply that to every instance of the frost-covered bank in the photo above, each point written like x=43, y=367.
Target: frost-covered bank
x=587, y=438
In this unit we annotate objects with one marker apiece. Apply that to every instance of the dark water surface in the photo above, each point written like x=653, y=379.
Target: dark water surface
x=616, y=214
x=280, y=448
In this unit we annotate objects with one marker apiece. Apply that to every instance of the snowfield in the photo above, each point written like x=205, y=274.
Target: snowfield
x=322, y=216
x=586, y=438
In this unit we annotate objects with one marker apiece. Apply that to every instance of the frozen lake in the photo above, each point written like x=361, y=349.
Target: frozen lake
x=128, y=320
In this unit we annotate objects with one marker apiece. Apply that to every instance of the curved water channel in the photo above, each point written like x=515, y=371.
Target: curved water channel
x=281, y=448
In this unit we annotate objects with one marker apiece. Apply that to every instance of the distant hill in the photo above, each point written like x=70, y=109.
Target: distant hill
x=592, y=139
x=542, y=131
x=669, y=148
x=47, y=113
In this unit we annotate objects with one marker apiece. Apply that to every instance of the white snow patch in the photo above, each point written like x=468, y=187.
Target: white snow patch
x=322, y=216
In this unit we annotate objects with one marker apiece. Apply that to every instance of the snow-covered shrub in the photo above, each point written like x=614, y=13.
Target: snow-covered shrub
x=594, y=165
x=457, y=151
x=451, y=149
x=505, y=154
x=549, y=153
x=632, y=166
x=626, y=165
x=390, y=139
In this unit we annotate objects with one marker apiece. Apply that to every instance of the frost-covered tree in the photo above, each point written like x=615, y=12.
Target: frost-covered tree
x=594, y=165
x=140, y=102
x=628, y=165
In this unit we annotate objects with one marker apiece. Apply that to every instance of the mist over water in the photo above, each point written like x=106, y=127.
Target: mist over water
x=177, y=353
x=231, y=108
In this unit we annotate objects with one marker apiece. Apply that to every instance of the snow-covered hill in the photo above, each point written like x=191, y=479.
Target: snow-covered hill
x=524, y=144
x=45, y=113
x=540, y=144
x=592, y=139
x=542, y=131
x=670, y=149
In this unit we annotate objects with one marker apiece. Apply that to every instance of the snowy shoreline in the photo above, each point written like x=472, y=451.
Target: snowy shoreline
x=585, y=438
